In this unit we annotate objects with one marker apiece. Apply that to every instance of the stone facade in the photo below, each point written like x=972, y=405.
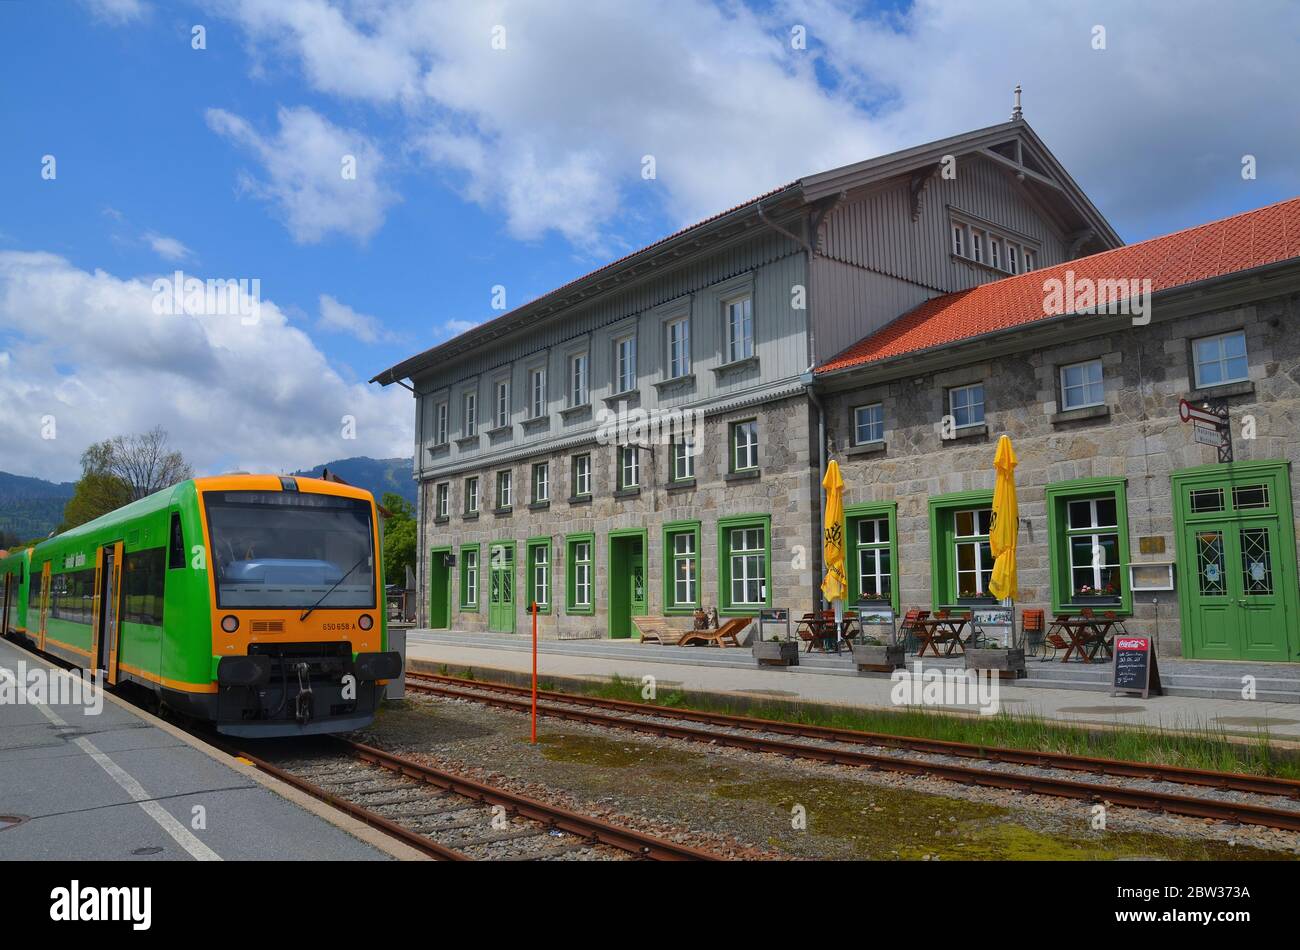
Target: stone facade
x=1136, y=436
x=784, y=488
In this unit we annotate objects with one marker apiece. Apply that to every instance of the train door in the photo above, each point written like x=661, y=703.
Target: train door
x=108, y=608
x=5, y=601
x=44, y=605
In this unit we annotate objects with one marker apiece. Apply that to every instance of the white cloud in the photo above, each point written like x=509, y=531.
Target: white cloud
x=166, y=247
x=257, y=398
x=116, y=11
x=339, y=317
x=322, y=178
x=551, y=130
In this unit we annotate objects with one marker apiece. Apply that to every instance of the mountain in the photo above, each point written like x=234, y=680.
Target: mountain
x=374, y=475
x=31, y=507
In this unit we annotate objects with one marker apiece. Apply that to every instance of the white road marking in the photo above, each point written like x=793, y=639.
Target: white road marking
x=180, y=834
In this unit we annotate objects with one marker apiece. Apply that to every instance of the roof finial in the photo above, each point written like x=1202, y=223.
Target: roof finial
x=1016, y=113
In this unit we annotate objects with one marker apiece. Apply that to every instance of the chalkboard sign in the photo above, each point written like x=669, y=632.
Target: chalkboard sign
x=1135, y=669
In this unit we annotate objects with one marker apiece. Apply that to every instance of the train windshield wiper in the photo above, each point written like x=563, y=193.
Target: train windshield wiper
x=307, y=613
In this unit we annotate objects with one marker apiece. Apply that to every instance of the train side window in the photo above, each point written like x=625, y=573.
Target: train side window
x=176, y=550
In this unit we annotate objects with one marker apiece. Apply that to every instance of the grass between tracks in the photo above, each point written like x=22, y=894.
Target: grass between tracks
x=1198, y=746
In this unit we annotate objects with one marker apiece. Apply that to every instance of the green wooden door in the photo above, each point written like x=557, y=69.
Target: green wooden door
x=637, y=571
x=1236, y=561
x=501, y=588
x=439, y=589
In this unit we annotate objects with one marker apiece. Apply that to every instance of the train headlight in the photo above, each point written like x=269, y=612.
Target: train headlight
x=230, y=623
x=366, y=622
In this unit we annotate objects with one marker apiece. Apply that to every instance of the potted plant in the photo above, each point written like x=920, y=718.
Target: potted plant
x=778, y=651
x=1107, y=595
x=972, y=598
x=871, y=654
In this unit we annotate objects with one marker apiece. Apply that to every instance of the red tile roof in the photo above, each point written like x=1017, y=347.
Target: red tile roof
x=1251, y=239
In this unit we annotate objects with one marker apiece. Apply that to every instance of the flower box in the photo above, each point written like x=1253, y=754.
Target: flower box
x=1009, y=663
x=1095, y=600
x=776, y=652
x=878, y=658
x=980, y=601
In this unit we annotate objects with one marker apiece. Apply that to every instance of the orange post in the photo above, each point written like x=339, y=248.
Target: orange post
x=534, y=672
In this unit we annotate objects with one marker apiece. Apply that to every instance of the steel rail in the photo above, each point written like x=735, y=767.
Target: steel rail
x=584, y=826
x=1228, y=781
x=1187, y=805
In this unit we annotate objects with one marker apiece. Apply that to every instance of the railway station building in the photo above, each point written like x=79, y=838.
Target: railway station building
x=650, y=438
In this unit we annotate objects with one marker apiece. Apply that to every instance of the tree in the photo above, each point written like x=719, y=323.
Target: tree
x=141, y=461
x=121, y=470
x=399, y=538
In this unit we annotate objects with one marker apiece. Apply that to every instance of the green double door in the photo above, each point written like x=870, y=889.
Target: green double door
x=1236, y=562
x=501, y=588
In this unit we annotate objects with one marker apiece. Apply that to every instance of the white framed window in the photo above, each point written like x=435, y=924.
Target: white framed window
x=966, y=404
x=542, y=481
x=868, y=424
x=875, y=575
x=1093, y=535
x=629, y=466
x=744, y=445
x=1220, y=359
x=748, y=567
x=959, y=240
x=995, y=253
x=684, y=568
x=679, y=348
x=542, y=574
x=469, y=414
x=502, y=405
x=440, y=424
x=582, y=574
x=1012, y=264
x=740, y=328
x=1029, y=260
x=471, y=494
x=625, y=364
x=505, y=486
x=537, y=392
x=442, y=499
x=578, y=380
x=977, y=246
x=469, y=577
x=581, y=475
x=974, y=557
x=1081, y=385
x=683, y=459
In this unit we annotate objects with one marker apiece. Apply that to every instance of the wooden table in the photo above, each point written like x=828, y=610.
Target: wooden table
x=936, y=630
x=1085, y=632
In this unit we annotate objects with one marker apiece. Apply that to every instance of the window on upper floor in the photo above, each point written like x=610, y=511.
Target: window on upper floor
x=868, y=424
x=966, y=405
x=442, y=495
x=1081, y=385
x=744, y=446
x=1220, y=359
x=581, y=475
x=629, y=467
x=537, y=393
x=541, y=482
x=740, y=328
x=683, y=460
x=469, y=414
x=501, y=419
x=679, y=348
x=625, y=364
x=991, y=247
x=505, y=490
x=440, y=424
x=471, y=495
x=578, y=380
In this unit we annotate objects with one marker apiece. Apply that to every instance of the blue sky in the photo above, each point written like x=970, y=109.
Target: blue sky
x=520, y=166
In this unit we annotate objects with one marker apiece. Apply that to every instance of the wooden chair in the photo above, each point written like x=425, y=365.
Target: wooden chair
x=730, y=630
x=658, y=630
x=1054, y=638
x=909, y=629
x=1032, y=628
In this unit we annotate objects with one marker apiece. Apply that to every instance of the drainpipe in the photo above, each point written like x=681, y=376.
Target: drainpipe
x=807, y=380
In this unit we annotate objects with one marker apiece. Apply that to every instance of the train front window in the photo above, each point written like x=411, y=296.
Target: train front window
x=287, y=550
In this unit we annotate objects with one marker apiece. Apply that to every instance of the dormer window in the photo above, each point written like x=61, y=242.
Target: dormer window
x=959, y=240
x=1011, y=259
x=990, y=246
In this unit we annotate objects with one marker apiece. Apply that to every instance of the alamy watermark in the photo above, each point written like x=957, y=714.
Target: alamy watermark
x=236, y=297
x=1117, y=296
x=641, y=428
x=938, y=686
x=38, y=686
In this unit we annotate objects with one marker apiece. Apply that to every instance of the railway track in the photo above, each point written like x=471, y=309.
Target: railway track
x=452, y=817
x=756, y=735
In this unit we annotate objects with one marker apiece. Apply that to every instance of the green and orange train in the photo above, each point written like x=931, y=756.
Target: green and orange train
x=254, y=602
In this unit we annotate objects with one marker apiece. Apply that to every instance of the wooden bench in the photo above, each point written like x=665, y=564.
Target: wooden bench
x=658, y=630
x=730, y=630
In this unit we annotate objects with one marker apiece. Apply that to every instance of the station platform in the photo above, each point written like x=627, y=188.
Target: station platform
x=832, y=680
x=118, y=784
